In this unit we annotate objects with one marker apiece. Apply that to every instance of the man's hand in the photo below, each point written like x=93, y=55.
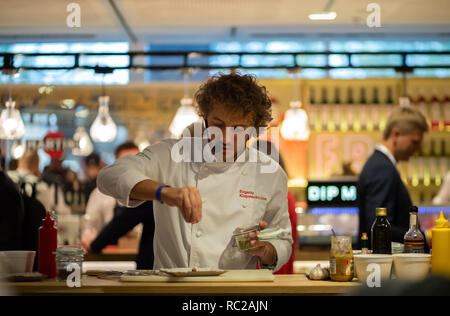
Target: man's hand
x=188, y=201
x=266, y=251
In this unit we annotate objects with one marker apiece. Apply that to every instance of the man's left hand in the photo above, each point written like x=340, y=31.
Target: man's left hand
x=266, y=251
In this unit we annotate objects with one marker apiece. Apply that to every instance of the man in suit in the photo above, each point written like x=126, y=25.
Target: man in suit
x=379, y=183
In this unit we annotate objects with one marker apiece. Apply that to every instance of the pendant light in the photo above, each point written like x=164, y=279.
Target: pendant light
x=186, y=114
x=85, y=146
x=18, y=149
x=295, y=125
x=11, y=123
x=103, y=130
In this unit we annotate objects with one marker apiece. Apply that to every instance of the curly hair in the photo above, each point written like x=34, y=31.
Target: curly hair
x=239, y=93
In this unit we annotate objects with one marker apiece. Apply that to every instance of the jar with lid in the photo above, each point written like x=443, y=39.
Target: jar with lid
x=341, y=259
x=66, y=255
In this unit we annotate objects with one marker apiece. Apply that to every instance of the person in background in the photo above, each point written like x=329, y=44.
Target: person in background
x=100, y=207
x=379, y=184
x=26, y=176
x=92, y=166
x=443, y=197
x=13, y=164
x=11, y=213
x=124, y=221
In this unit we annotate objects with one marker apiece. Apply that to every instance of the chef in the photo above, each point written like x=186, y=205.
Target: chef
x=199, y=203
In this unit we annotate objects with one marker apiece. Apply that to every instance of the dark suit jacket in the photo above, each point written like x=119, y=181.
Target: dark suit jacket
x=380, y=185
x=124, y=220
x=11, y=214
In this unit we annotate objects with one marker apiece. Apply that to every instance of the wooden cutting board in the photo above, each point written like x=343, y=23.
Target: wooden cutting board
x=229, y=276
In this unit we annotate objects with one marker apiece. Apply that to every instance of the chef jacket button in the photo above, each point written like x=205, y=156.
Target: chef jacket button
x=244, y=205
x=244, y=173
x=198, y=234
x=203, y=201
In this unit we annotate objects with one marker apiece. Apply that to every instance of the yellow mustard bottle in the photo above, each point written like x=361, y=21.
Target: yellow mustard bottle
x=440, y=243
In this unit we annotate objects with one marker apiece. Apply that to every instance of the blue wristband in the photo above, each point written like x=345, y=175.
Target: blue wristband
x=158, y=192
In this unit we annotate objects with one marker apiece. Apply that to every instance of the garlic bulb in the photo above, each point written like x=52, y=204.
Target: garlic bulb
x=318, y=273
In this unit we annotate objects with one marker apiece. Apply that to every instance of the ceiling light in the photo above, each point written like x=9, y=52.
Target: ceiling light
x=185, y=116
x=11, y=123
x=295, y=124
x=103, y=129
x=85, y=146
x=323, y=16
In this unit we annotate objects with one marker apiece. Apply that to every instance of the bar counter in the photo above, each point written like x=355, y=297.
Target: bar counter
x=296, y=284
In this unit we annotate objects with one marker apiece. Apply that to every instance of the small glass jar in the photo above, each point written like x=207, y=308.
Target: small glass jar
x=341, y=259
x=242, y=240
x=64, y=256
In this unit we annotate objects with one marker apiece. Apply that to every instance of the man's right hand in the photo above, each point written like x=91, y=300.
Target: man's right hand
x=188, y=201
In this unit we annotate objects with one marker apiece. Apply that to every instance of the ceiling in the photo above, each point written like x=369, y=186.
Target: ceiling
x=200, y=21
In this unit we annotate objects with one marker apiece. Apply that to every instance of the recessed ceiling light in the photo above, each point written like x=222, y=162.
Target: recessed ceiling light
x=322, y=16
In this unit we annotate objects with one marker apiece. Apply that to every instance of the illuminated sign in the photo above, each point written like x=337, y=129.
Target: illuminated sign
x=329, y=193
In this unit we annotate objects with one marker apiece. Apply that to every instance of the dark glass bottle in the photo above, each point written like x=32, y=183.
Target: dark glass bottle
x=414, y=240
x=381, y=233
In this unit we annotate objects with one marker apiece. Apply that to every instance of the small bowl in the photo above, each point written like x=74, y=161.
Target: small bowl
x=17, y=261
x=363, y=270
x=412, y=266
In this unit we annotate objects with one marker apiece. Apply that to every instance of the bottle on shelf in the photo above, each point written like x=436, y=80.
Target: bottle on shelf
x=375, y=110
x=313, y=114
x=381, y=235
x=363, y=109
x=350, y=108
x=421, y=104
x=389, y=105
x=414, y=241
x=337, y=117
x=446, y=110
x=435, y=111
x=324, y=109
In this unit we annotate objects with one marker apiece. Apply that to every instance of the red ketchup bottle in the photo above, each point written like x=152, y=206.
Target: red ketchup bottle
x=47, y=247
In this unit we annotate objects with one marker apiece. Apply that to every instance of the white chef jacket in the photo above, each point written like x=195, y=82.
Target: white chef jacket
x=99, y=210
x=233, y=195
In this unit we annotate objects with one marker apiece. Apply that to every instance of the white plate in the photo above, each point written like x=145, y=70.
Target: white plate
x=180, y=272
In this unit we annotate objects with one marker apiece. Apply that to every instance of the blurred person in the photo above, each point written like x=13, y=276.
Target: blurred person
x=443, y=197
x=100, y=208
x=92, y=166
x=11, y=213
x=379, y=184
x=125, y=220
x=26, y=176
x=13, y=164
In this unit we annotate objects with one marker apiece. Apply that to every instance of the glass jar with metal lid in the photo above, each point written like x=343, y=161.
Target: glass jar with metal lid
x=66, y=255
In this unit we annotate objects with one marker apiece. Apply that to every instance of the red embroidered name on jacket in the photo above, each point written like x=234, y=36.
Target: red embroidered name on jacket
x=250, y=195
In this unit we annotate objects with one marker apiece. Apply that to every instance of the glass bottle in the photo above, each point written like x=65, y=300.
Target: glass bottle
x=381, y=233
x=337, y=109
x=350, y=109
x=363, y=109
x=414, y=240
x=375, y=110
x=313, y=117
x=324, y=110
x=435, y=111
x=364, y=244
